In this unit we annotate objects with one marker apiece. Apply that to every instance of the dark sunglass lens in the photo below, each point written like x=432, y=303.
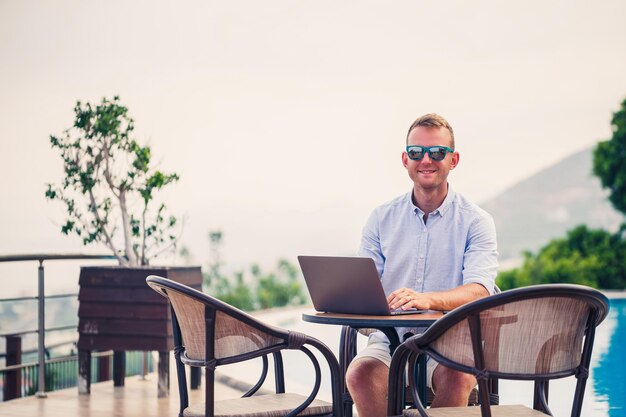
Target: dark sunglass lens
x=415, y=153
x=437, y=154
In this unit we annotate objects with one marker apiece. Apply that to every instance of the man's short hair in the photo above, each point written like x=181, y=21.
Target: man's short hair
x=432, y=120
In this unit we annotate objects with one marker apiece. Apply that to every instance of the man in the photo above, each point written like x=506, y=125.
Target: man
x=433, y=250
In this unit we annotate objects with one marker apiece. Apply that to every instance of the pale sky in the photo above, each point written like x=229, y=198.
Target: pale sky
x=286, y=119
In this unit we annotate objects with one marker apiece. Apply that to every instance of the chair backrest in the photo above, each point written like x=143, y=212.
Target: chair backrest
x=534, y=333
x=235, y=334
x=208, y=332
x=525, y=333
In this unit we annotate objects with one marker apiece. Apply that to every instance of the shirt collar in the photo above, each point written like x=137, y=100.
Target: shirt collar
x=442, y=209
x=447, y=202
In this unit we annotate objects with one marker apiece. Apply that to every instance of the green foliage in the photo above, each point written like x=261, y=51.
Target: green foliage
x=109, y=183
x=609, y=161
x=278, y=288
x=584, y=256
x=259, y=289
x=237, y=294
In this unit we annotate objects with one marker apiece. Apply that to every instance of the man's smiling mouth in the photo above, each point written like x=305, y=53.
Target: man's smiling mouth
x=423, y=171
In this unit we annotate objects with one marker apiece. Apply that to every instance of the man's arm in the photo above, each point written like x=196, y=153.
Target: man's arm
x=480, y=260
x=370, y=243
x=480, y=263
x=406, y=298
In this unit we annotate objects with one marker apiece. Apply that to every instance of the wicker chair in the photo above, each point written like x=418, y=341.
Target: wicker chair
x=208, y=333
x=536, y=333
x=348, y=351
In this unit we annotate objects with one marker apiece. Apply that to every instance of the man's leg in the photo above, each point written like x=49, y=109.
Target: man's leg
x=368, y=375
x=367, y=382
x=452, y=388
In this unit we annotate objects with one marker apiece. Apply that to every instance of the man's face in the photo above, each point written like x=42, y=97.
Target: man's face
x=426, y=173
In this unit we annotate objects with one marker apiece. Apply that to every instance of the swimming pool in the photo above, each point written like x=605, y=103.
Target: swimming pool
x=609, y=370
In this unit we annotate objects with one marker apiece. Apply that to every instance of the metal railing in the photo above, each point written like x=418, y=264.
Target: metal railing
x=62, y=372
x=41, y=314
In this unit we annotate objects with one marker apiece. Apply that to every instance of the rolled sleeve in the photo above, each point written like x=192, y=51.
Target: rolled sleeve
x=480, y=261
x=370, y=243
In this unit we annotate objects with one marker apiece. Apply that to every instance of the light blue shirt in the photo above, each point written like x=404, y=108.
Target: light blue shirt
x=456, y=246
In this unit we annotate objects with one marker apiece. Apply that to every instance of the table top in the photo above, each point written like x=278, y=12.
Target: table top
x=364, y=321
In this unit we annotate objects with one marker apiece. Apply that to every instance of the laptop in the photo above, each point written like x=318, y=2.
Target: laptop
x=346, y=285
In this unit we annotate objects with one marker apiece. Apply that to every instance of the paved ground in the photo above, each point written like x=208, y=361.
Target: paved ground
x=138, y=398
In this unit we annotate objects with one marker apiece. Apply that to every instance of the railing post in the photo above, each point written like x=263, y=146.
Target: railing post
x=41, y=329
x=13, y=387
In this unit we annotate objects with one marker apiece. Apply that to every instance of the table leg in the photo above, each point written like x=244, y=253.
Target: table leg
x=394, y=339
x=347, y=352
x=416, y=369
x=417, y=372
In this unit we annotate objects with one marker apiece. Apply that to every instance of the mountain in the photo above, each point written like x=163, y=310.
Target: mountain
x=546, y=205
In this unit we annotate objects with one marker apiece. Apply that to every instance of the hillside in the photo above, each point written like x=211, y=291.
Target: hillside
x=549, y=203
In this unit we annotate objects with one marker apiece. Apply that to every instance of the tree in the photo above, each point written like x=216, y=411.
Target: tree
x=109, y=182
x=609, y=161
x=596, y=258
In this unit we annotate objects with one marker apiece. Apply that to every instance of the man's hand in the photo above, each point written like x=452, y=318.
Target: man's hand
x=406, y=298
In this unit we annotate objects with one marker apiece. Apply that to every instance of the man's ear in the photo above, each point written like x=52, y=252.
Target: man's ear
x=455, y=160
x=405, y=159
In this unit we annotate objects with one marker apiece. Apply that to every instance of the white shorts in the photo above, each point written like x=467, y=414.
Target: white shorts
x=378, y=348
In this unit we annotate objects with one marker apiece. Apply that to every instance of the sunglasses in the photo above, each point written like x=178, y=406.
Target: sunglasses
x=436, y=153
